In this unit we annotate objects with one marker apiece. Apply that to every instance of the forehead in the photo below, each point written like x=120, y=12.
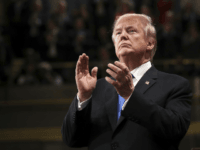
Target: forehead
x=135, y=21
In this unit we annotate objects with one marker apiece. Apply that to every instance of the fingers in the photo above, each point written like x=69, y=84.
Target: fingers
x=124, y=83
x=112, y=73
x=78, y=67
x=82, y=64
x=122, y=66
x=120, y=72
x=119, y=68
x=115, y=68
x=84, y=59
x=109, y=80
x=94, y=72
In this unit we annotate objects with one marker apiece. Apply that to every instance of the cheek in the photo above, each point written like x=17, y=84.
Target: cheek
x=137, y=40
x=115, y=42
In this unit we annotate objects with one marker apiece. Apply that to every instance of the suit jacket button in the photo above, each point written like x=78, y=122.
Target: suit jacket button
x=114, y=145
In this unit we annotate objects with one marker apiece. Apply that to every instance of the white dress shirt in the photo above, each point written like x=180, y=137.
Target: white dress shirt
x=137, y=73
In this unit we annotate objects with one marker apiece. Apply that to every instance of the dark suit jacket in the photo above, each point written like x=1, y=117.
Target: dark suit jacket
x=156, y=117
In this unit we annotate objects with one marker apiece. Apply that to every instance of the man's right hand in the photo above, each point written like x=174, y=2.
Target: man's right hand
x=85, y=82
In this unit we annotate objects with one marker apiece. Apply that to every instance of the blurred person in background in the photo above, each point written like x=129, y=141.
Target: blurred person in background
x=104, y=58
x=28, y=74
x=103, y=13
x=18, y=14
x=103, y=37
x=164, y=6
x=105, y=42
x=169, y=39
x=123, y=7
x=46, y=75
x=87, y=17
x=35, y=27
x=37, y=72
x=138, y=4
x=104, y=55
x=61, y=15
x=81, y=37
x=48, y=47
x=191, y=42
x=145, y=9
x=80, y=27
x=79, y=44
x=6, y=57
x=64, y=24
x=189, y=16
x=34, y=20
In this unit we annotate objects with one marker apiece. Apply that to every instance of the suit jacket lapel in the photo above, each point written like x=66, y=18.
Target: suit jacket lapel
x=147, y=80
x=144, y=84
x=111, y=99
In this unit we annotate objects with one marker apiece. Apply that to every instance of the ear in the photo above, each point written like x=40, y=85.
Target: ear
x=150, y=43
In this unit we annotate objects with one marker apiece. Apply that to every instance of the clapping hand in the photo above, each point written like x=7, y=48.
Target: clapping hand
x=85, y=82
x=124, y=82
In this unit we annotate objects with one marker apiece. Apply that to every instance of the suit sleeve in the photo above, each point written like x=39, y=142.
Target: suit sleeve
x=76, y=125
x=170, y=122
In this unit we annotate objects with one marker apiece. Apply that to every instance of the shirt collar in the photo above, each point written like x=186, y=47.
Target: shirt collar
x=141, y=70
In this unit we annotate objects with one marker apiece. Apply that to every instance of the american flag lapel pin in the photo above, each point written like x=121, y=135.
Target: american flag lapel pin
x=147, y=82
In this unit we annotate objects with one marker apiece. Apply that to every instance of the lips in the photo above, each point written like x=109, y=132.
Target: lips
x=125, y=45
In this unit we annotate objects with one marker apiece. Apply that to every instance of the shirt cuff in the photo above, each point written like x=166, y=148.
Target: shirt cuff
x=82, y=105
x=126, y=101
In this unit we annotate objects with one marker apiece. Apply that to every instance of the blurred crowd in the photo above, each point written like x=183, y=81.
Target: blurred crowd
x=40, y=35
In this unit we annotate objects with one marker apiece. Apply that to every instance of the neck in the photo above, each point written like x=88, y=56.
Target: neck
x=133, y=63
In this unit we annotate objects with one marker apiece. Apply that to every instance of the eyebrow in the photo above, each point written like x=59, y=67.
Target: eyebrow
x=118, y=29
x=128, y=27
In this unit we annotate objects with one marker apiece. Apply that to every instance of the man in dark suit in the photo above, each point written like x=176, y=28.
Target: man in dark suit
x=140, y=108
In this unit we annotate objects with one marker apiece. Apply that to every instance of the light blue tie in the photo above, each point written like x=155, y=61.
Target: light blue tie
x=121, y=101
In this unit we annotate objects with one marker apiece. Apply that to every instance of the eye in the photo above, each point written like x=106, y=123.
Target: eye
x=118, y=33
x=131, y=31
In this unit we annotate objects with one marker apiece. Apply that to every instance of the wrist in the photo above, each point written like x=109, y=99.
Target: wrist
x=83, y=96
x=127, y=97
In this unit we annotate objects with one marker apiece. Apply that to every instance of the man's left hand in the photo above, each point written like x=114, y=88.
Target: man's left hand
x=124, y=82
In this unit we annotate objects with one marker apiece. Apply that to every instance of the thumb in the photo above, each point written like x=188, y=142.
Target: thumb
x=94, y=72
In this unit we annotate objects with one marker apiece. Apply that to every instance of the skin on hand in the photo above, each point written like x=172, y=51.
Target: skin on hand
x=85, y=82
x=124, y=82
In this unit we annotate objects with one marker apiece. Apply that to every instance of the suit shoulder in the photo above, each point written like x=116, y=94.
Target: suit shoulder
x=171, y=77
x=174, y=84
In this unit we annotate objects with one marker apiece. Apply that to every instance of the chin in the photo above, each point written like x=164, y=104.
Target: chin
x=125, y=53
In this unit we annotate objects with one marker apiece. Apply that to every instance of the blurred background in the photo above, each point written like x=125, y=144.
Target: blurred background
x=40, y=41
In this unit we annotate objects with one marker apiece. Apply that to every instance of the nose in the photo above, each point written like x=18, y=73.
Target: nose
x=124, y=35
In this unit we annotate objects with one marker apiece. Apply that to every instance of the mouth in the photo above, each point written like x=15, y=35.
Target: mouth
x=125, y=46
